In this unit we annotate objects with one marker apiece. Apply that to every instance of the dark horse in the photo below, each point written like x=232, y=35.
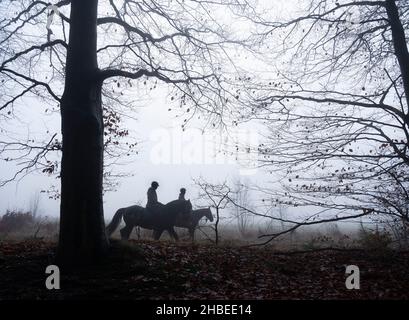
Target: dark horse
x=159, y=221
x=191, y=221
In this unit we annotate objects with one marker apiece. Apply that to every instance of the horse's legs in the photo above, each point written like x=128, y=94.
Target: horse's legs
x=126, y=231
x=192, y=234
x=173, y=233
x=157, y=234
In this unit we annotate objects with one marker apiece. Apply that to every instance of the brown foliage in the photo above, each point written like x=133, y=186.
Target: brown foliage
x=15, y=221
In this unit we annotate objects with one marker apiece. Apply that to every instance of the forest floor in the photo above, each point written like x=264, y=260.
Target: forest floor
x=168, y=270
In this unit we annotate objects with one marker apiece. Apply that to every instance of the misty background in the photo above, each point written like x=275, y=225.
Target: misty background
x=168, y=150
x=164, y=153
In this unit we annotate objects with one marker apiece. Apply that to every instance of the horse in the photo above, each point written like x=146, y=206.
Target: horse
x=163, y=219
x=191, y=221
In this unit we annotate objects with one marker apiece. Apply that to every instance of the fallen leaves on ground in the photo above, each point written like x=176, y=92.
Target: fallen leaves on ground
x=168, y=270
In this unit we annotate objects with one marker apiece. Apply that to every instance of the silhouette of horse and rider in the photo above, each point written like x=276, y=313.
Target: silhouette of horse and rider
x=158, y=216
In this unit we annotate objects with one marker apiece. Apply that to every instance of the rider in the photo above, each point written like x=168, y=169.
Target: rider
x=182, y=197
x=182, y=194
x=153, y=204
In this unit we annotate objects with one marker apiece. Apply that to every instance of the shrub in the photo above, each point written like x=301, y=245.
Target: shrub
x=400, y=231
x=15, y=221
x=375, y=240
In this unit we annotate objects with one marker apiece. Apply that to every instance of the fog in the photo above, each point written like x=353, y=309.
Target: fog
x=165, y=153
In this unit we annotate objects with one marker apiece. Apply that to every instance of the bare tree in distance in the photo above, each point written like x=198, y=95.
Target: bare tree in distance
x=242, y=196
x=34, y=205
x=222, y=196
x=215, y=195
x=82, y=66
x=337, y=110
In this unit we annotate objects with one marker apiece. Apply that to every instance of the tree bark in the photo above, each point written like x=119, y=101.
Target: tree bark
x=400, y=46
x=216, y=226
x=82, y=237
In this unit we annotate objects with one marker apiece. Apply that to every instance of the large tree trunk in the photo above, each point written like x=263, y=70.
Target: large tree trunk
x=82, y=228
x=216, y=226
x=399, y=44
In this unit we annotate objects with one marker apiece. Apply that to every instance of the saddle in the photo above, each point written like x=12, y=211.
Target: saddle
x=154, y=208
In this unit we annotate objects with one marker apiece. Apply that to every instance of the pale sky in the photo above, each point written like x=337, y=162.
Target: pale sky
x=166, y=154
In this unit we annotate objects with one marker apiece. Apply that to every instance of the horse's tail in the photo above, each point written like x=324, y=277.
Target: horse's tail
x=114, y=222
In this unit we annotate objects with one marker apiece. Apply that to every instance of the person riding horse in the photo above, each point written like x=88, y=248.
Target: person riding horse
x=156, y=216
x=153, y=205
x=182, y=197
x=182, y=194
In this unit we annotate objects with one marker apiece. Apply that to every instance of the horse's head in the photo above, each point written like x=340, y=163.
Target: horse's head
x=208, y=214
